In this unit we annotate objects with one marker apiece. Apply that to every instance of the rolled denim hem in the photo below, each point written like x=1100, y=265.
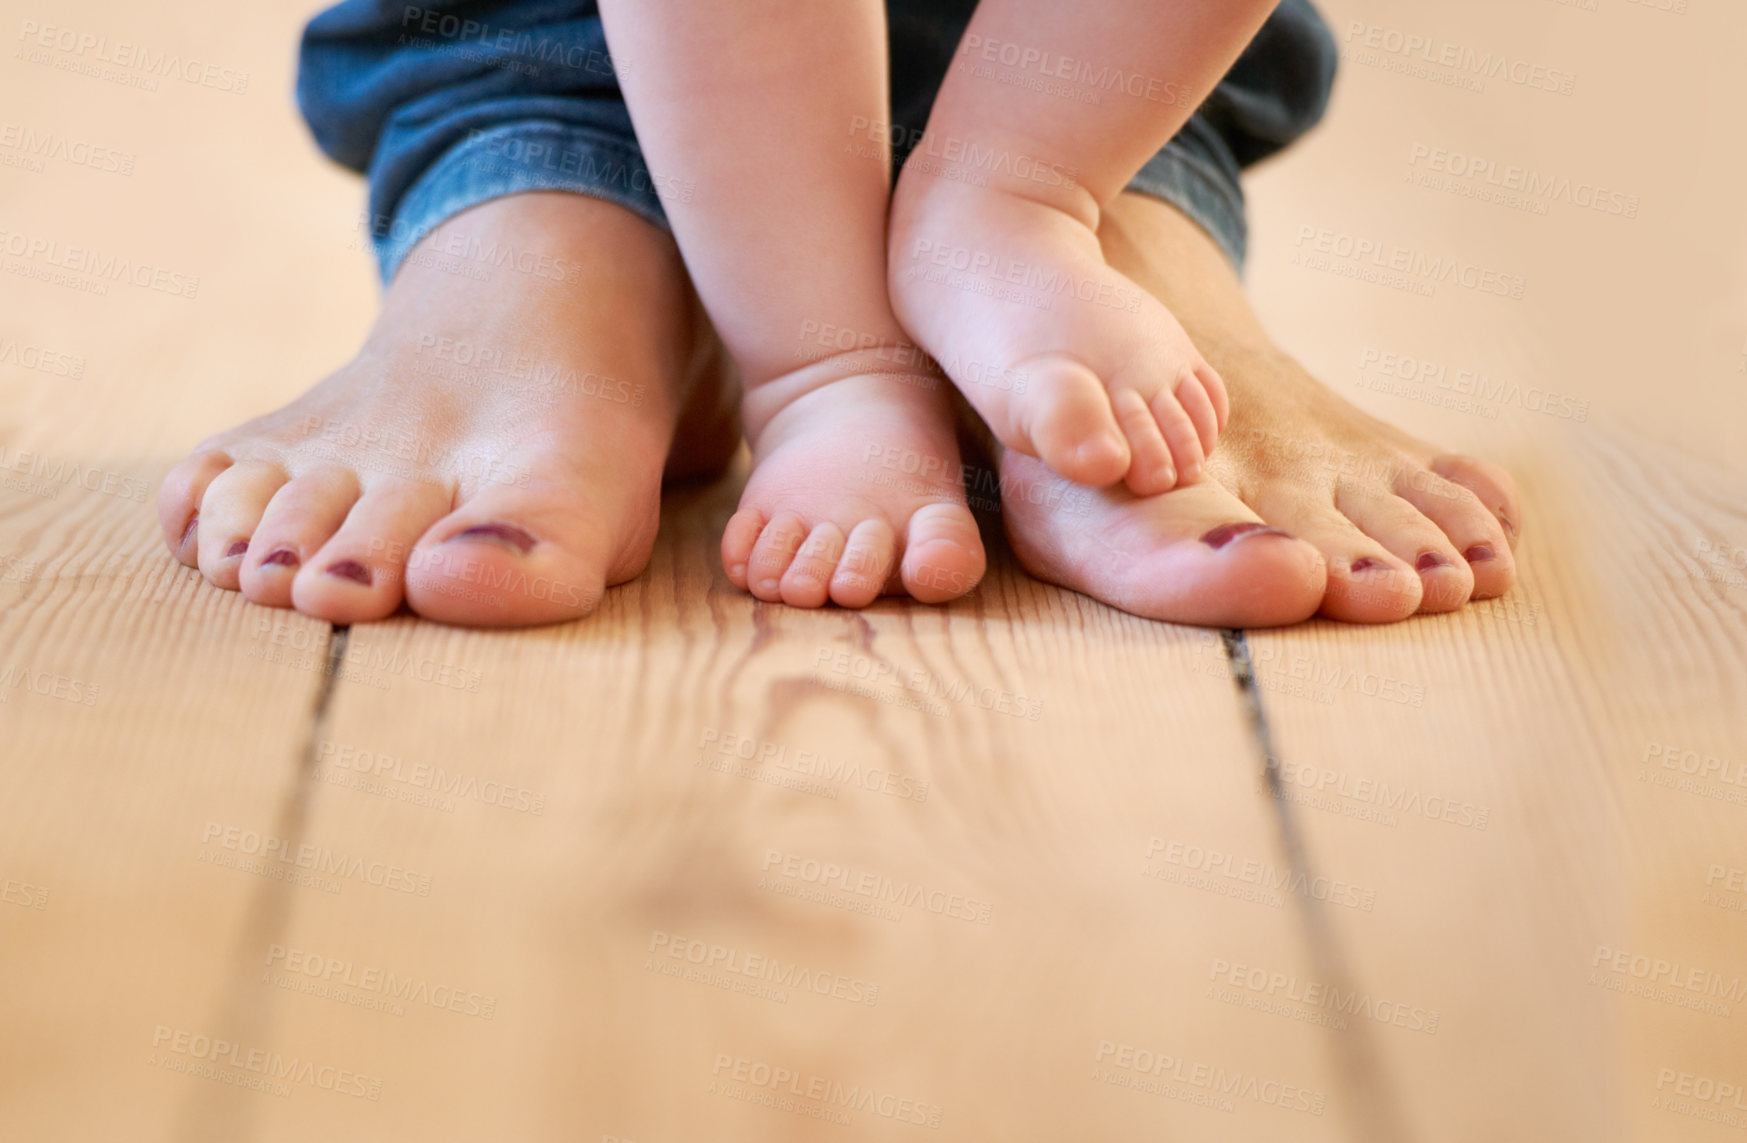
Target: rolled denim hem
x=549, y=156
x=1194, y=186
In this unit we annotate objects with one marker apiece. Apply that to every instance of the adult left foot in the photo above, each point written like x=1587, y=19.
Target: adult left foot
x=1317, y=507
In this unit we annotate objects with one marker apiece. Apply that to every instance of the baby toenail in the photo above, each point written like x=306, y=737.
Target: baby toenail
x=193, y=523
x=1226, y=533
x=502, y=533
x=1364, y=563
x=237, y=548
x=1429, y=560
x=1509, y=528
x=281, y=557
x=767, y=585
x=352, y=570
x=1478, y=553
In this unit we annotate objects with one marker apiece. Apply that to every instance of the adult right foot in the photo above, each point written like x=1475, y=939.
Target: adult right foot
x=1314, y=506
x=494, y=454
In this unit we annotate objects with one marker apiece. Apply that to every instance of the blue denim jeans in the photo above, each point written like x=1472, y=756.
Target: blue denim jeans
x=451, y=103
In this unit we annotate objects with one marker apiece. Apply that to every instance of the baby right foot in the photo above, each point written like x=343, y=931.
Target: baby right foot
x=1065, y=358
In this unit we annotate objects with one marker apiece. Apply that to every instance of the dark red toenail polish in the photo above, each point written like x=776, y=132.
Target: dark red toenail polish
x=1226, y=533
x=352, y=570
x=502, y=533
x=1364, y=563
x=1478, y=553
x=237, y=548
x=1429, y=560
x=281, y=557
x=188, y=532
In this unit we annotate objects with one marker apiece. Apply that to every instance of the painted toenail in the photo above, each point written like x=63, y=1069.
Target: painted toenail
x=188, y=532
x=1429, y=560
x=352, y=570
x=1478, y=553
x=1364, y=563
x=281, y=558
x=502, y=533
x=1226, y=533
x=237, y=548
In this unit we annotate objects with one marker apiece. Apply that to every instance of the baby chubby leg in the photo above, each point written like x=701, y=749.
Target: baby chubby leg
x=1047, y=112
x=753, y=114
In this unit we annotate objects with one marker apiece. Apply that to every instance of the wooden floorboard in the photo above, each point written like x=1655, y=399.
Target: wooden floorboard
x=1020, y=861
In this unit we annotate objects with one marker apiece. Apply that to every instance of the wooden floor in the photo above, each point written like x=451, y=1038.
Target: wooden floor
x=1018, y=868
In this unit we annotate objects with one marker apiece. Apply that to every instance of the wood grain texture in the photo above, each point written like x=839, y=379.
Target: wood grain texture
x=946, y=812
x=1035, y=833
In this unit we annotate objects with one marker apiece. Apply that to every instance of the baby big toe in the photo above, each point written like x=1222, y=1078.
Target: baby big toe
x=943, y=553
x=1064, y=419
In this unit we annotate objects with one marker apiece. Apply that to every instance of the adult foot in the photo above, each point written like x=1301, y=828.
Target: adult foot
x=1065, y=357
x=494, y=454
x=856, y=487
x=1318, y=507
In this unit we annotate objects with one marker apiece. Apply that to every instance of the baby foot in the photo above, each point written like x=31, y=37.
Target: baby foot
x=856, y=490
x=1066, y=359
x=1315, y=506
x=493, y=455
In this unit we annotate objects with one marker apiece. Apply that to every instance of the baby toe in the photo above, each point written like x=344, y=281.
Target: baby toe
x=943, y=553
x=868, y=556
x=1150, y=467
x=807, y=582
x=772, y=554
